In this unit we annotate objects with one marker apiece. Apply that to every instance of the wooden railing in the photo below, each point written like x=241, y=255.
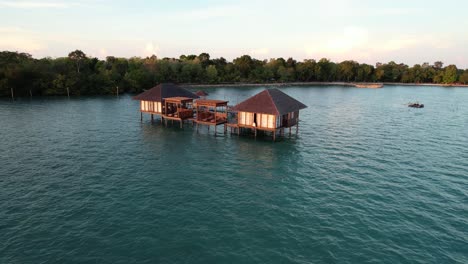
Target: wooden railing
x=185, y=113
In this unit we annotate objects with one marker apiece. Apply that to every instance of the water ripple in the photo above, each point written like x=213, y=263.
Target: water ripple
x=366, y=181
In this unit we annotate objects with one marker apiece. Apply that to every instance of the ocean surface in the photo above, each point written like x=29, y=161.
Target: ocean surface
x=367, y=180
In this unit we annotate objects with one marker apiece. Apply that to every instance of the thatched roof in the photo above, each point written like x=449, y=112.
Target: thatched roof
x=271, y=101
x=164, y=90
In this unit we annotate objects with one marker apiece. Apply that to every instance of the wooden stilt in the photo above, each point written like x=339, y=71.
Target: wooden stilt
x=225, y=128
x=274, y=135
x=68, y=92
x=215, y=129
x=197, y=127
x=12, y=94
x=181, y=123
x=297, y=127
x=141, y=116
x=162, y=119
x=255, y=130
x=30, y=93
x=152, y=118
x=289, y=131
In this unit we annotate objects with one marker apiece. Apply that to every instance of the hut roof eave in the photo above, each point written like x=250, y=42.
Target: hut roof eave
x=272, y=102
x=163, y=91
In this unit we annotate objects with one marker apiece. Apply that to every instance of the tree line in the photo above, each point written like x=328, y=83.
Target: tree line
x=79, y=74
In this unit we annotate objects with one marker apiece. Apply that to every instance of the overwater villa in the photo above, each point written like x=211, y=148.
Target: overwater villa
x=270, y=110
x=168, y=101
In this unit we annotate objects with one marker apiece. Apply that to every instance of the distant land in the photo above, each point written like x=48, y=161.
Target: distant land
x=78, y=74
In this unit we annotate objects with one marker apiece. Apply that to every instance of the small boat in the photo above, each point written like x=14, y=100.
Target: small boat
x=416, y=105
x=369, y=85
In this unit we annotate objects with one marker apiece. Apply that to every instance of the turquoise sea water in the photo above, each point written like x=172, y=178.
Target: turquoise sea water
x=368, y=180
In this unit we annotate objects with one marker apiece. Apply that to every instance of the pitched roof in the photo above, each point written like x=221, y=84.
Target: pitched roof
x=201, y=93
x=271, y=101
x=164, y=90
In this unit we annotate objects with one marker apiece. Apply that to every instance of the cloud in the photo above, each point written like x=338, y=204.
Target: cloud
x=34, y=4
x=361, y=45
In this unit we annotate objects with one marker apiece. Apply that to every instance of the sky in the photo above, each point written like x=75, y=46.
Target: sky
x=366, y=31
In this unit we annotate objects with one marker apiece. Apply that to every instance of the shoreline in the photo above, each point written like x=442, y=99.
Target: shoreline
x=247, y=85
x=344, y=84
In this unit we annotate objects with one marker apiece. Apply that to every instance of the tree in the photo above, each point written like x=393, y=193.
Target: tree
x=438, y=65
x=83, y=75
x=450, y=74
x=364, y=73
x=464, y=77
x=347, y=70
x=306, y=70
x=212, y=74
x=286, y=74
x=244, y=65
x=204, y=59
x=325, y=70
x=77, y=56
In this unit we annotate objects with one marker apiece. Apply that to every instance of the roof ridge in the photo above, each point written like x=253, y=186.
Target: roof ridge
x=273, y=101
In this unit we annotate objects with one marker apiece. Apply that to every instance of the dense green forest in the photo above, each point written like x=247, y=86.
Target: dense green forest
x=79, y=74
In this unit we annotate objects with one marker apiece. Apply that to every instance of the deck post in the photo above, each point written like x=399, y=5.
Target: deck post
x=197, y=127
x=297, y=127
x=152, y=118
x=215, y=129
x=141, y=116
x=68, y=92
x=225, y=128
x=12, y=95
x=255, y=130
x=274, y=135
x=30, y=93
x=289, y=131
x=181, y=123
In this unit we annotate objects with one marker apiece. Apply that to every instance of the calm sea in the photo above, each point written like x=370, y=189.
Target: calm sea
x=368, y=180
